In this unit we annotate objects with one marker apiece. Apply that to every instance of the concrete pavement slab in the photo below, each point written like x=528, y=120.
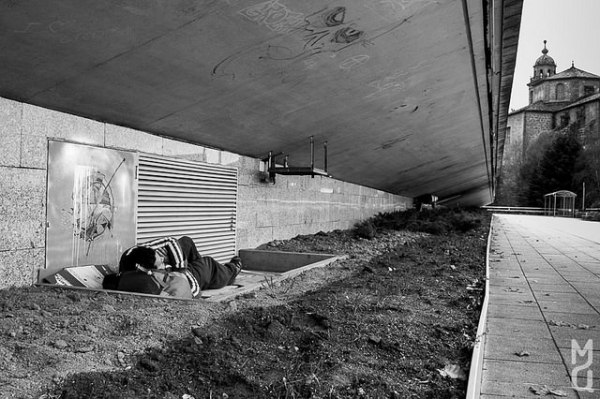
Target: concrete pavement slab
x=565, y=302
x=521, y=328
x=523, y=349
x=590, y=265
x=519, y=372
x=542, y=289
x=593, y=299
x=514, y=312
x=508, y=281
x=495, y=389
x=560, y=259
x=591, y=277
x=553, y=306
x=514, y=300
x=518, y=291
x=583, y=286
x=541, y=279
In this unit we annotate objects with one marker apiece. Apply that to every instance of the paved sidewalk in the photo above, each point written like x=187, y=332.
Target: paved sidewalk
x=544, y=293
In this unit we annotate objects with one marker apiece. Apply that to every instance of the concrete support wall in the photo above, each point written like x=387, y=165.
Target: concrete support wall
x=294, y=205
x=302, y=205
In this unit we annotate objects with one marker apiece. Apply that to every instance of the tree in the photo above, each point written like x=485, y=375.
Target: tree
x=528, y=175
x=507, y=185
x=589, y=171
x=518, y=170
x=556, y=169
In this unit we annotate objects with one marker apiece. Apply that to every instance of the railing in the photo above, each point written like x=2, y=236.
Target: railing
x=592, y=214
x=587, y=214
x=528, y=210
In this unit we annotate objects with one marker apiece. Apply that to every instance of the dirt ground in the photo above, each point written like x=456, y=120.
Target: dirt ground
x=396, y=319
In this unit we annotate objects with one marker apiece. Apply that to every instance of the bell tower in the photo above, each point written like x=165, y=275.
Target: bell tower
x=544, y=66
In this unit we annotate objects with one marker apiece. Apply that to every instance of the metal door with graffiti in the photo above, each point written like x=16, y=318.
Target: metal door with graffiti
x=91, y=205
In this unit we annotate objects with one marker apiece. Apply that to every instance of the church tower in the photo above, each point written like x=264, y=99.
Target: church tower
x=543, y=68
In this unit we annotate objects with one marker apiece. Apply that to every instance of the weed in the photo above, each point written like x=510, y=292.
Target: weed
x=464, y=221
x=365, y=229
x=271, y=286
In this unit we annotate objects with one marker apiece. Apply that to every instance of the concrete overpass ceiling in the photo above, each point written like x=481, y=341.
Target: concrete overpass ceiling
x=400, y=89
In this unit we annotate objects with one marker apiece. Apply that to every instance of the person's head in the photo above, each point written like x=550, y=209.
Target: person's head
x=143, y=256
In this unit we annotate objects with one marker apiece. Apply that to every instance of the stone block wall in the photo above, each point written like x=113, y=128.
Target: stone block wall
x=592, y=113
x=584, y=117
x=516, y=124
x=515, y=130
x=293, y=205
x=573, y=90
x=536, y=123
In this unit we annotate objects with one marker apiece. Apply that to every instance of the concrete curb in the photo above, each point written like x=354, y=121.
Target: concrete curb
x=476, y=369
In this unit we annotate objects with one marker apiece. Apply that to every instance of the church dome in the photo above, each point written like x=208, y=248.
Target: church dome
x=545, y=59
x=544, y=66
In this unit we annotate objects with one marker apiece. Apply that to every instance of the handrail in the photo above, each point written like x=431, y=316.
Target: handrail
x=515, y=209
x=531, y=210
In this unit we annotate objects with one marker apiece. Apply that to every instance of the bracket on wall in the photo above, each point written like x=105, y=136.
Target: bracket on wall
x=274, y=169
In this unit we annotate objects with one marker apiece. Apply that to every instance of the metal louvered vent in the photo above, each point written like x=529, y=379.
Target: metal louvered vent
x=178, y=197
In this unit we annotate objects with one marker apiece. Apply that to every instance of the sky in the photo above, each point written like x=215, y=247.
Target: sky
x=572, y=29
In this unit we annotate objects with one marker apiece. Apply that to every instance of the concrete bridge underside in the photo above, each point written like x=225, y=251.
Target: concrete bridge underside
x=410, y=95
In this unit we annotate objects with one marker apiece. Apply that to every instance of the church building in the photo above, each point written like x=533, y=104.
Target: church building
x=557, y=101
